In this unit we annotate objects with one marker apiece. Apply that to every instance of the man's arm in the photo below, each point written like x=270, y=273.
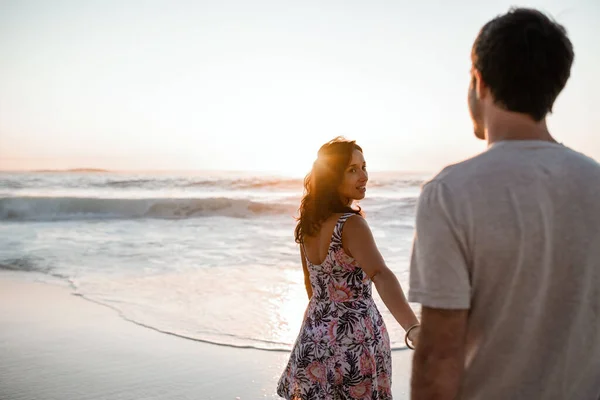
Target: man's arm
x=439, y=359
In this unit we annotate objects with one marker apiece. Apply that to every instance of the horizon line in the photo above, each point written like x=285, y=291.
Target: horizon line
x=165, y=170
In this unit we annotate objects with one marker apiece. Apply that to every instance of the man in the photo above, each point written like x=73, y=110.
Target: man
x=506, y=257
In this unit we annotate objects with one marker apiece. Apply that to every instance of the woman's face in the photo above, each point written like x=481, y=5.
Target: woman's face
x=354, y=183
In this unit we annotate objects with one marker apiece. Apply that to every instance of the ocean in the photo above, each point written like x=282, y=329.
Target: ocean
x=208, y=256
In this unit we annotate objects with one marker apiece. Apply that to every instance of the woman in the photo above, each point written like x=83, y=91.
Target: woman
x=343, y=349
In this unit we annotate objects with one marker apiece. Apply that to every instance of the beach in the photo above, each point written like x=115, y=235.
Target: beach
x=207, y=256
x=56, y=345
x=165, y=286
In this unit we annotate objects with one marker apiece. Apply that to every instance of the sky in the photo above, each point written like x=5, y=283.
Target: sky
x=259, y=85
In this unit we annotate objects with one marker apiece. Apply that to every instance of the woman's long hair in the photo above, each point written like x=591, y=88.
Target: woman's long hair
x=321, y=197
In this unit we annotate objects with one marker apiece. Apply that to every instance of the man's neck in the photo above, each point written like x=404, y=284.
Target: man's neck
x=514, y=126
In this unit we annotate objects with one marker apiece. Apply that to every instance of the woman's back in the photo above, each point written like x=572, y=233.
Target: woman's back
x=316, y=247
x=336, y=276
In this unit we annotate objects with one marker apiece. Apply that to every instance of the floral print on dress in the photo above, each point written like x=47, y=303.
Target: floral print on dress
x=343, y=350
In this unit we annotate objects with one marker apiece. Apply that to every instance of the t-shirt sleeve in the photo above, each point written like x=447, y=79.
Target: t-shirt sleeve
x=439, y=274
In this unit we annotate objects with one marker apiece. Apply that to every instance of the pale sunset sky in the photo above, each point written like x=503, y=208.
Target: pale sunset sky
x=259, y=85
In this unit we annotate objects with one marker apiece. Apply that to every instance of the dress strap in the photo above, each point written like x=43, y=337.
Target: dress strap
x=336, y=239
x=304, y=251
x=342, y=220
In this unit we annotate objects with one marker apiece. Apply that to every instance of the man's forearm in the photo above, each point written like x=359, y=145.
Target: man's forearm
x=438, y=364
x=435, y=377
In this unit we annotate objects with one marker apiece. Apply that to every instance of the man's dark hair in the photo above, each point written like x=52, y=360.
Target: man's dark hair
x=525, y=59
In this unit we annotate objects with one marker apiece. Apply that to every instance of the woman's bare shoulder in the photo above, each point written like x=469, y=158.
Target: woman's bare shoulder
x=356, y=225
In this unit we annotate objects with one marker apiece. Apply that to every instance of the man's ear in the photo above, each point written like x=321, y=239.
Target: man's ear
x=481, y=88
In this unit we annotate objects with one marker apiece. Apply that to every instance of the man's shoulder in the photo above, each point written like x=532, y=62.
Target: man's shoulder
x=495, y=166
x=460, y=173
x=581, y=161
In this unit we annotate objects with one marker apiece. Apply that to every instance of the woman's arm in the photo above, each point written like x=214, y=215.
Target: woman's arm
x=306, y=274
x=359, y=243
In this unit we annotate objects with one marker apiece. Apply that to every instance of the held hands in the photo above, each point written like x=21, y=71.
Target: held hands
x=412, y=336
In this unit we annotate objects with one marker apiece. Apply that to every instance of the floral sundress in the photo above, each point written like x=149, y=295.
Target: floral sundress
x=343, y=349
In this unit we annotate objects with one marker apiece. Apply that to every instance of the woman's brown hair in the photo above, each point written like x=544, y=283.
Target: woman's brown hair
x=321, y=197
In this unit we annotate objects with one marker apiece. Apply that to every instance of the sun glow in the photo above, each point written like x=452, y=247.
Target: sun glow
x=228, y=86
x=288, y=309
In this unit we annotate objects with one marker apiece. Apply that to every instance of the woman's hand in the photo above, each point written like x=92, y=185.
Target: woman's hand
x=413, y=336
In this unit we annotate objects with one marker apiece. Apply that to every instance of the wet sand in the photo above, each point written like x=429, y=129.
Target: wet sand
x=58, y=346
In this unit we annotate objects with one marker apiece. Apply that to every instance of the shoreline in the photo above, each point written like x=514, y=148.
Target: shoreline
x=57, y=345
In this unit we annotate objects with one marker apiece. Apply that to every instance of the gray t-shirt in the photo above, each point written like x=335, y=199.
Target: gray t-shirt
x=513, y=235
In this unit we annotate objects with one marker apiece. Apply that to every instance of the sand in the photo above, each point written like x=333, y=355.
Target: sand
x=56, y=345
